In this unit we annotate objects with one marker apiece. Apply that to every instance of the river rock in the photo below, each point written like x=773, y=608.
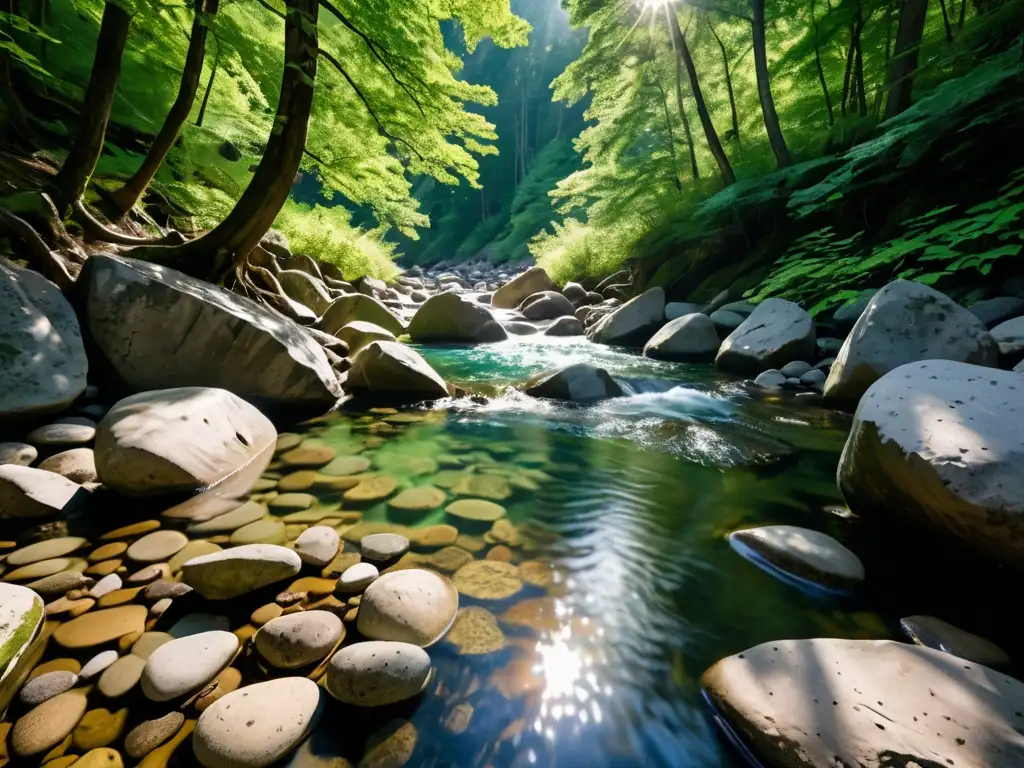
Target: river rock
x=828, y=702
x=359, y=333
x=239, y=570
x=299, y=639
x=488, y=580
x=99, y=627
x=46, y=686
x=305, y=289
x=846, y=316
x=121, y=676
x=29, y=492
x=257, y=725
x=356, y=306
x=99, y=728
x=575, y=293
x=390, y=368
x=422, y=498
x=799, y=552
x=998, y=310
x=249, y=512
x=77, y=464
x=45, y=550
x=318, y=545
x=938, y=443
x=63, y=435
x=356, y=578
x=44, y=366
x=905, y=322
x=269, y=530
x=158, y=328
x=46, y=726
x=474, y=514
x=935, y=633
x=97, y=664
x=770, y=379
x=726, y=322
x=411, y=606
x=1009, y=337
x=185, y=664
x=580, y=382
x=21, y=454
x=775, y=333
x=546, y=305
x=377, y=673
x=634, y=322
x=150, y=734
x=450, y=318
x=157, y=547
x=677, y=309
x=690, y=338
x=520, y=328
x=565, y=326
x=181, y=441
x=382, y=547
x=533, y=280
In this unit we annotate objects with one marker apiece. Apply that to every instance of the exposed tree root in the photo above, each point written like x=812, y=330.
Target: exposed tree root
x=38, y=252
x=97, y=230
x=38, y=209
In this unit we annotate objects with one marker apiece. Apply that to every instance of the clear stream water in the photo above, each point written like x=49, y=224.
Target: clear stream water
x=635, y=499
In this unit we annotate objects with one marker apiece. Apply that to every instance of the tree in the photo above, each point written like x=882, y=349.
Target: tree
x=69, y=184
x=904, y=59
x=764, y=89
x=203, y=14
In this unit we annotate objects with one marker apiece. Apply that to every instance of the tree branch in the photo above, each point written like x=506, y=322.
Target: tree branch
x=373, y=49
x=384, y=131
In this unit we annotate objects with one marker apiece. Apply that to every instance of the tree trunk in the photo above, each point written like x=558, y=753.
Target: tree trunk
x=694, y=171
x=847, y=74
x=125, y=197
x=209, y=84
x=821, y=70
x=858, y=65
x=227, y=245
x=963, y=14
x=886, y=53
x=69, y=184
x=671, y=138
x=945, y=21
x=683, y=51
x=728, y=83
x=764, y=90
x=904, y=60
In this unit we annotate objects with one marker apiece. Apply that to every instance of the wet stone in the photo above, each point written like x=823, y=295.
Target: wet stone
x=308, y=454
x=318, y=545
x=109, y=583
x=47, y=725
x=346, y=465
x=100, y=626
x=371, y=489
x=476, y=631
x=131, y=531
x=45, y=550
x=99, y=728
x=288, y=502
x=195, y=548
x=69, y=435
x=357, y=578
x=150, y=734
x=488, y=580
x=299, y=639
x=107, y=551
x=383, y=547
x=247, y=513
x=97, y=664
x=46, y=686
x=157, y=547
x=266, y=531
x=121, y=676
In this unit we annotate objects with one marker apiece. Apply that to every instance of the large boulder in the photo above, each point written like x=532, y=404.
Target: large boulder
x=42, y=359
x=391, y=368
x=846, y=316
x=29, y=492
x=448, y=317
x=1009, y=337
x=21, y=616
x=939, y=443
x=904, y=322
x=546, y=305
x=533, y=280
x=690, y=338
x=869, y=703
x=775, y=333
x=356, y=306
x=359, y=333
x=305, y=289
x=565, y=326
x=158, y=328
x=634, y=322
x=181, y=441
x=676, y=309
x=581, y=382
x=998, y=310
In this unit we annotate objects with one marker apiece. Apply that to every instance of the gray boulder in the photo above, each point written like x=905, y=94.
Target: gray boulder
x=741, y=308
x=157, y=328
x=520, y=328
x=575, y=293
x=770, y=379
x=42, y=359
x=992, y=312
x=725, y=321
x=847, y=315
x=565, y=326
x=1009, y=337
x=307, y=290
x=359, y=333
x=391, y=368
x=634, y=322
x=533, y=280
x=904, y=322
x=690, y=338
x=676, y=309
x=447, y=317
x=580, y=382
x=546, y=305
x=356, y=306
x=938, y=443
x=775, y=333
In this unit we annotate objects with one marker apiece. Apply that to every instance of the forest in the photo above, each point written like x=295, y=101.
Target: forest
x=585, y=136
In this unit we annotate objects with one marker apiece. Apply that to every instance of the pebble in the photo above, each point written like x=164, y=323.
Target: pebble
x=97, y=664
x=45, y=550
x=76, y=464
x=121, y=676
x=186, y=664
x=163, y=588
x=119, y=597
x=102, y=626
x=383, y=547
x=71, y=606
x=265, y=613
x=289, y=502
x=131, y=531
x=297, y=481
x=63, y=434
x=378, y=673
x=105, y=568
x=109, y=583
x=157, y=547
x=99, y=728
x=44, y=727
x=314, y=585
x=247, y=513
x=420, y=499
x=801, y=553
x=227, y=681
x=286, y=441
x=371, y=489
x=488, y=580
x=476, y=631
x=346, y=465
x=196, y=548
x=43, y=568
x=150, y=573
x=309, y=454
x=21, y=454
x=148, y=642
x=107, y=551
x=257, y=725
x=46, y=686
x=56, y=665
x=61, y=583
x=391, y=746
x=412, y=606
x=104, y=757
x=942, y=636
x=150, y=734
x=299, y=639
x=434, y=536
x=160, y=607
x=318, y=545
x=491, y=487
x=476, y=515
x=357, y=578
x=162, y=756
x=269, y=530
x=239, y=570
